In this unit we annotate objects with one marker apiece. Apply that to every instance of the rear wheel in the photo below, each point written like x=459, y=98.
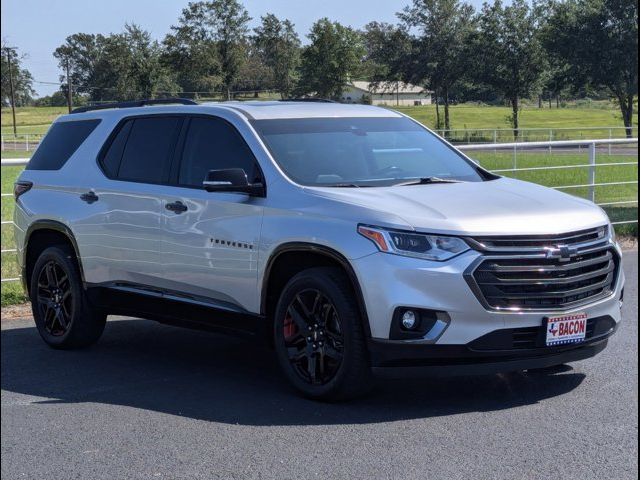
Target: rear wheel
x=62, y=313
x=318, y=336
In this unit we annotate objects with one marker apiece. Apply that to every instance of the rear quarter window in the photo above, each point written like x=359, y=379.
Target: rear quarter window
x=113, y=156
x=62, y=140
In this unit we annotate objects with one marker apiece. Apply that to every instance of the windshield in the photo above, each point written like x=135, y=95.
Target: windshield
x=361, y=152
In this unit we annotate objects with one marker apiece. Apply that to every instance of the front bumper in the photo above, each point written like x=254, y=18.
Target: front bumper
x=492, y=353
x=465, y=346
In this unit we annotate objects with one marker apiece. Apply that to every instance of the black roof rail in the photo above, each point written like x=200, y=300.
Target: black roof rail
x=135, y=103
x=309, y=99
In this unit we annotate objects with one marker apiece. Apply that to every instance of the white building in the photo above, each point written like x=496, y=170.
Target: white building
x=386, y=93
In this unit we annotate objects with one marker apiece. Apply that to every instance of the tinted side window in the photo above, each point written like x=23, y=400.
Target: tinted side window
x=60, y=143
x=111, y=159
x=148, y=150
x=214, y=144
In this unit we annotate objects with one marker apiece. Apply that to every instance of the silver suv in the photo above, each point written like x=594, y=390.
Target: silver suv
x=351, y=237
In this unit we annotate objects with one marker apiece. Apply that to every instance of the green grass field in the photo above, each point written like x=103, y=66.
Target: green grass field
x=30, y=119
x=481, y=117
x=37, y=120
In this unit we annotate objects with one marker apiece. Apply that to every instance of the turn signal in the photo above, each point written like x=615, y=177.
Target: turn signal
x=375, y=236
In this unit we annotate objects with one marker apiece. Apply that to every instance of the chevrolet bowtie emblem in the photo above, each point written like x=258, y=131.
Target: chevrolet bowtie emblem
x=564, y=253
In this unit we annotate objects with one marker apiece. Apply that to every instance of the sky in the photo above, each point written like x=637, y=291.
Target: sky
x=38, y=27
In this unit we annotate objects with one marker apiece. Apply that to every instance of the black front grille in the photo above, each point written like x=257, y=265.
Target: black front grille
x=541, y=283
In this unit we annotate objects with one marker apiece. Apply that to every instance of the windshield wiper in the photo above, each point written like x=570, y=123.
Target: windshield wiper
x=427, y=181
x=344, y=185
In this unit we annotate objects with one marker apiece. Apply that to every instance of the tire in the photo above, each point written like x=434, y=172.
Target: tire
x=318, y=336
x=63, y=315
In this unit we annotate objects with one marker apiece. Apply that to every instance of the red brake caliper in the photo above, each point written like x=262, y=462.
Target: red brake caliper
x=290, y=328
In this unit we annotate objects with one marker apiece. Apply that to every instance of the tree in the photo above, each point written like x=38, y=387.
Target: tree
x=279, y=47
x=81, y=51
x=143, y=66
x=209, y=41
x=58, y=99
x=388, y=49
x=254, y=75
x=119, y=66
x=509, y=53
x=21, y=77
x=191, y=52
x=559, y=77
x=332, y=59
x=599, y=40
x=229, y=20
x=440, y=54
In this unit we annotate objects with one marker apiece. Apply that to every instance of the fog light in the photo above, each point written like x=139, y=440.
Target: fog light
x=409, y=319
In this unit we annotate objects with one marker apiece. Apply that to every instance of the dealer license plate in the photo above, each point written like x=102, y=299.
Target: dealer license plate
x=564, y=329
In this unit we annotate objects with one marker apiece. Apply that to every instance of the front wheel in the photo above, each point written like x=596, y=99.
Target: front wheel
x=318, y=336
x=63, y=315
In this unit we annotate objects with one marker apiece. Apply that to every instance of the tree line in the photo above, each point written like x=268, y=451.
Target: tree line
x=501, y=53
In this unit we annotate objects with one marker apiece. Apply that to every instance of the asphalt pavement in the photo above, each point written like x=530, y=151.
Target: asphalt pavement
x=152, y=401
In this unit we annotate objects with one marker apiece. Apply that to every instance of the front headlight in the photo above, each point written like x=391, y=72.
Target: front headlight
x=418, y=245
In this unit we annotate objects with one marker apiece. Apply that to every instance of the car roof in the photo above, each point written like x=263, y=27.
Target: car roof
x=253, y=110
x=263, y=110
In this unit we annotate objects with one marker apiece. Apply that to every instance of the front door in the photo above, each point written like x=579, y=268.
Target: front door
x=210, y=247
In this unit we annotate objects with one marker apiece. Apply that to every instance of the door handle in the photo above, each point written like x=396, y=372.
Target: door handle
x=176, y=207
x=89, y=197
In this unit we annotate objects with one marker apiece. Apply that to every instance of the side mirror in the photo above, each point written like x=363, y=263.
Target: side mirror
x=232, y=180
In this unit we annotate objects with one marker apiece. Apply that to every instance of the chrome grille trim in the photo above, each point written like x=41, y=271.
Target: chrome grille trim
x=540, y=243
x=557, y=294
x=545, y=268
x=552, y=281
x=532, y=281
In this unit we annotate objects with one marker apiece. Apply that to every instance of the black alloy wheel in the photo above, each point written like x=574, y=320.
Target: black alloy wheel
x=319, y=337
x=55, y=299
x=63, y=314
x=313, y=337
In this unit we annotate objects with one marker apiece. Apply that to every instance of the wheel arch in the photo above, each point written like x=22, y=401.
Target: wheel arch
x=40, y=235
x=311, y=253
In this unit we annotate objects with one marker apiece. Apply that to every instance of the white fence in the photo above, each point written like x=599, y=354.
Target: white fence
x=499, y=135
x=24, y=142
x=592, y=166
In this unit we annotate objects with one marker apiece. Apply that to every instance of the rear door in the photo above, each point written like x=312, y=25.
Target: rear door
x=210, y=248
x=120, y=238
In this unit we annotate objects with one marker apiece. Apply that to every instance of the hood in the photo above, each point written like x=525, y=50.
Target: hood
x=498, y=207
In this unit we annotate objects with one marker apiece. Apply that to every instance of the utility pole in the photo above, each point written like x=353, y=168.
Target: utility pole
x=9, y=52
x=69, y=92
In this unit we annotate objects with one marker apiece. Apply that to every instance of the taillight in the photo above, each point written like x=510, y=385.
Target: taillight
x=21, y=187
